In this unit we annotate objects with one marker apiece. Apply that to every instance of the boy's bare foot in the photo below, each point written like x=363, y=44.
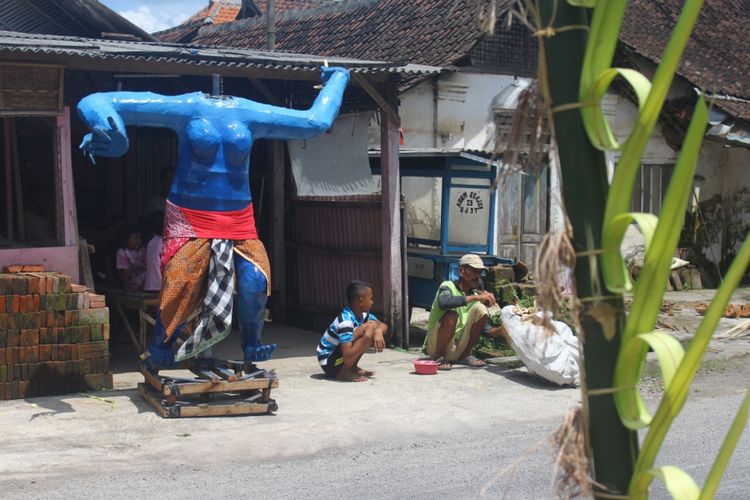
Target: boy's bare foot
x=346, y=375
x=364, y=373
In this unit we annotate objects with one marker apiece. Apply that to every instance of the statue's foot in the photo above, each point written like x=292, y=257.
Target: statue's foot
x=258, y=353
x=162, y=358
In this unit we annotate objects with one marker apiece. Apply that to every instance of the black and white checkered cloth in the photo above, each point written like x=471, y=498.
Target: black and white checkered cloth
x=215, y=321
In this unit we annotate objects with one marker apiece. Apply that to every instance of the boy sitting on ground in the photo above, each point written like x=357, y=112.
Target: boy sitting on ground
x=352, y=332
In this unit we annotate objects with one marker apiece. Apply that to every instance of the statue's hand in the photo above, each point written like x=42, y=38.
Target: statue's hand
x=103, y=141
x=328, y=71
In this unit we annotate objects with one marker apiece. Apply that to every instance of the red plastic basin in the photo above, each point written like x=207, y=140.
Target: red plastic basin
x=426, y=366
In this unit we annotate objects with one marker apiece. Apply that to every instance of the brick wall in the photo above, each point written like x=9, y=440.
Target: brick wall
x=54, y=336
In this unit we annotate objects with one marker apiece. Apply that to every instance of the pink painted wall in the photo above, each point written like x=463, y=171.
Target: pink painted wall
x=60, y=259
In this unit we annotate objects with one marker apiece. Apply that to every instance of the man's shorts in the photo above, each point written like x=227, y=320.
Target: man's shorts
x=334, y=363
x=460, y=341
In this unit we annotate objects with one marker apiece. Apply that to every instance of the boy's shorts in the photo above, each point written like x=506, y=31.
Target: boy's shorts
x=334, y=363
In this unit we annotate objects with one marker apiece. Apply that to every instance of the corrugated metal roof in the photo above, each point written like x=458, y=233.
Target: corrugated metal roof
x=70, y=18
x=18, y=44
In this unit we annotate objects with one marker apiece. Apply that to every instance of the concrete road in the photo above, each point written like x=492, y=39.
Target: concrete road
x=399, y=435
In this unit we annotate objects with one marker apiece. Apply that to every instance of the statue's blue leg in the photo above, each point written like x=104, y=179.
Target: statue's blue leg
x=251, y=306
x=161, y=353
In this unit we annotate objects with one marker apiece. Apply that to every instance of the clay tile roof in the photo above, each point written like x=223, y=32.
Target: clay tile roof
x=716, y=59
x=218, y=12
x=432, y=32
x=281, y=5
x=224, y=11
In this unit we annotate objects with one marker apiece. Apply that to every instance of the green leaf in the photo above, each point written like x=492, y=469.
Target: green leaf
x=596, y=124
x=627, y=168
x=583, y=3
x=676, y=394
x=727, y=448
x=679, y=484
x=612, y=238
x=601, y=43
x=630, y=405
x=652, y=280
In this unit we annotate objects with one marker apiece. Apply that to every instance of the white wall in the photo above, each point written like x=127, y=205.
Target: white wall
x=464, y=112
x=465, y=120
x=622, y=114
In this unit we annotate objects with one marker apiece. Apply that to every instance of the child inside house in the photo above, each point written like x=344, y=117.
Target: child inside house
x=352, y=332
x=130, y=259
x=153, y=249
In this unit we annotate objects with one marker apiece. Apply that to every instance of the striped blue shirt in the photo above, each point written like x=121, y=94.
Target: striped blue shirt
x=340, y=332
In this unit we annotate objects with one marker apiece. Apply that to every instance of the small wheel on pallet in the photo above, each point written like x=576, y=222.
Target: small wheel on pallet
x=272, y=406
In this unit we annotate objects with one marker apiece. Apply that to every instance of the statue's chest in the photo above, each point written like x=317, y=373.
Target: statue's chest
x=226, y=141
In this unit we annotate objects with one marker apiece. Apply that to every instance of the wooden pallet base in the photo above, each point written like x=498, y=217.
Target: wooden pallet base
x=229, y=404
x=220, y=388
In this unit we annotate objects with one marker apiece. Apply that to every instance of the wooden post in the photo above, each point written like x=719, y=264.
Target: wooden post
x=131, y=178
x=17, y=180
x=391, y=199
x=278, y=260
x=8, y=180
x=65, y=174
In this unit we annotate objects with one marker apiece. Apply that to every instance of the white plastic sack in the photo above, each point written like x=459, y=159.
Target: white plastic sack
x=552, y=356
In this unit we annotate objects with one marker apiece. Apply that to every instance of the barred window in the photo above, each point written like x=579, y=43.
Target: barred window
x=28, y=184
x=650, y=187
x=508, y=50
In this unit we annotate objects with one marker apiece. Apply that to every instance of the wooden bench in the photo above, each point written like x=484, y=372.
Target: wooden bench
x=119, y=300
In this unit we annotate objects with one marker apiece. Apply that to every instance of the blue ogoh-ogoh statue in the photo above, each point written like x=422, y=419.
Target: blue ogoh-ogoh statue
x=209, y=229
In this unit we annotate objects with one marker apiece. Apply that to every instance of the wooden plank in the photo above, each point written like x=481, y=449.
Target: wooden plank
x=84, y=264
x=151, y=399
x=126, y=324
x=224, y=410
x=278, y=249
x=265, y=91
x=131, y=179
x=676, y=280
x=225, y=374
x=221, y=407
x=225, y=386
x=695, y=280
x=17, y=180
x=381, y=101
x=207, y=375
x=684, y=273
x=8, y=180
x=154, y=381
x=391, y=219
x=65, y=173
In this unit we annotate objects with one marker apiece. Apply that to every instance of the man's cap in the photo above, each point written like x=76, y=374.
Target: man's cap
x=472, y=260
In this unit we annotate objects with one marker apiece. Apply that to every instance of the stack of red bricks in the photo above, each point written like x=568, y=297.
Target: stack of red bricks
x=54, y=335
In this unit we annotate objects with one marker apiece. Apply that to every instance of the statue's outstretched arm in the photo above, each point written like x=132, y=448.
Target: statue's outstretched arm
x=273, y=122
x=107, y=114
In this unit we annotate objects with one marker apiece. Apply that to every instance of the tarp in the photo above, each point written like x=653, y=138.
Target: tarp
x=334, y=163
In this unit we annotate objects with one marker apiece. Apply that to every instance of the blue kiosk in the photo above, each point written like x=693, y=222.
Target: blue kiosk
x=450, y=211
